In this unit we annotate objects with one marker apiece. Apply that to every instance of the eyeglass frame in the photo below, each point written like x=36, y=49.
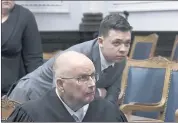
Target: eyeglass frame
x=93, y=76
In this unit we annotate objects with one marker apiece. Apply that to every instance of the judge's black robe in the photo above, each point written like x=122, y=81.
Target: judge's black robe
x=50, y=109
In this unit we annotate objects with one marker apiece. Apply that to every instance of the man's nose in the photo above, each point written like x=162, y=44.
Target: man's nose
x=92, y=82
x=123, y=48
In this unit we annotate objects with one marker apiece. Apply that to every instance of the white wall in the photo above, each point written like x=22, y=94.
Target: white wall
x=154, y=21
x=60, y=21
x=149, y=15
x=66, y=15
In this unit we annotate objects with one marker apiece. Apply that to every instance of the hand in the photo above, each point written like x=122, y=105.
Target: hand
x=102, y=92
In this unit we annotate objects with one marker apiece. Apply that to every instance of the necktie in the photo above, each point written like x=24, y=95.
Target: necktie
x=76, y=118
x=108, y=69
x=105, y=74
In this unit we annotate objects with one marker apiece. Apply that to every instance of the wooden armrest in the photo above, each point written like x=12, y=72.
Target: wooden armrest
x=127, y=108
x=144, y=104
x=136, y=107
x=134, y=118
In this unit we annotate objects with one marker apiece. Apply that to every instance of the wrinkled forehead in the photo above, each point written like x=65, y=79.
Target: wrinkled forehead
x=82, y=69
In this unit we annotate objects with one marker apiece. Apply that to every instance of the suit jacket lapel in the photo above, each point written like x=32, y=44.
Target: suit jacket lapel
x=109, y=77
x=10, y=24
x=118, y=70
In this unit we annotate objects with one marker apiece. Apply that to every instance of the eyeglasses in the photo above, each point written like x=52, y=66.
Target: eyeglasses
x=84, y=78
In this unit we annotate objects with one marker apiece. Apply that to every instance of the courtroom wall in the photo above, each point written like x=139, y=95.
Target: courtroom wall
x=66, y=15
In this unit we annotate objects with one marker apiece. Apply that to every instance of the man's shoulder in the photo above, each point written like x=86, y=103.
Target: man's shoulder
x=25, y=12
x=84, y=45
x=40, y=102
x=89, y=42
x=33, y=107
x=29, y=105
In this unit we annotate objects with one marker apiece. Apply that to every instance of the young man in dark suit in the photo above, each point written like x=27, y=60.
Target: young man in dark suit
x=108, y=52
x=73, y=98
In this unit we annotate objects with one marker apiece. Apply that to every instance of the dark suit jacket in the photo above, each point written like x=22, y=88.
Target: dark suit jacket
x=21, y=46
x=35, y=84
x=50, y=109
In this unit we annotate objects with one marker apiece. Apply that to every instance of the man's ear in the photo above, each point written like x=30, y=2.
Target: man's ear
x=100, y=41
x=60, y=84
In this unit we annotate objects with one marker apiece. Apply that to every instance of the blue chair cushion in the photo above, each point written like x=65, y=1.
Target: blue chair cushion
x=145, y=85
x=172, y=103
x=142, y=50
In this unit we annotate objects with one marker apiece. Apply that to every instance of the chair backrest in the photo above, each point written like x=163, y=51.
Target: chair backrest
x=176, y=116
x=144, y=47
x=174, y=54
x=146, y=81
x=172, y=102
x=7, y=107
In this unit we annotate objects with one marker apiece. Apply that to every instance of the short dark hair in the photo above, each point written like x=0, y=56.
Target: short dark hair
x=113, y=21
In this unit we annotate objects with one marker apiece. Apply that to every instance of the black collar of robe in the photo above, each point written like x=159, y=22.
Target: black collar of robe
x=59, y=111
x=50, y=109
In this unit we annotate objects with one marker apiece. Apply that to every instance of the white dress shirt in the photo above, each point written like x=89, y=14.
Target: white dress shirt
x=104, y=63
x=79, y=113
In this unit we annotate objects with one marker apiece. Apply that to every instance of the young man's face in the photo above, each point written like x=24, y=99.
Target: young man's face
x=116, y=45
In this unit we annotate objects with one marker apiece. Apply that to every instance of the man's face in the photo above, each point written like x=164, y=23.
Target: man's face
x=116, y=45
x=80, y=90
x=7, y=4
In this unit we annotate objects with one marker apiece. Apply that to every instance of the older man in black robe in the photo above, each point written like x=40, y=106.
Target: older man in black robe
x=72, y=100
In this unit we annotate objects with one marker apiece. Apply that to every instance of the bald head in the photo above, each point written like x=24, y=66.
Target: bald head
x=71, y=63
x=74, y=78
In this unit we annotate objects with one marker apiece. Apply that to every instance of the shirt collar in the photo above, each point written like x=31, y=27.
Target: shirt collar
x=104, y=63
x=79, y=113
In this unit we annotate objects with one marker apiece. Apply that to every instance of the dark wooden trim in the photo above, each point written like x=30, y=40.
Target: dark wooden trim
x=61, y=40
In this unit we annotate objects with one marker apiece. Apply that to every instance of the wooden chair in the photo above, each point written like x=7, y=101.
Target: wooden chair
x=144, y=47
x=176, y=116
x=172, y=102
x=174, y=54
x=145, y=82
x=133, y=118
x=7, y=107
